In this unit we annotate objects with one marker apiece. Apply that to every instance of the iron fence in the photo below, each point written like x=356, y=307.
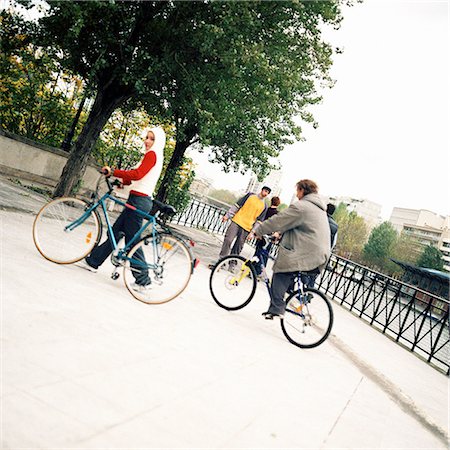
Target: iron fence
x=415, y=319
x=203, y=216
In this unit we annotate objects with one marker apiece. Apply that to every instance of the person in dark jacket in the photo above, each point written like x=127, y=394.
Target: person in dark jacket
x=271, y=211
x=333, y=225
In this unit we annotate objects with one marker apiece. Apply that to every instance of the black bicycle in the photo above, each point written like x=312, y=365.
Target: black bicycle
x=309, y=315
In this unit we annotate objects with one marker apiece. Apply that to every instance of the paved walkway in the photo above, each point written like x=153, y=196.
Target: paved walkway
x=86, y=366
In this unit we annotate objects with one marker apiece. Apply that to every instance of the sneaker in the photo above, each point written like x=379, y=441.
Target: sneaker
x=140, y=287
x=269, y=316
x=85, y=265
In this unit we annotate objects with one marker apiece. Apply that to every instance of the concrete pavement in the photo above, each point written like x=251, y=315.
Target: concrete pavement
x=84, y=365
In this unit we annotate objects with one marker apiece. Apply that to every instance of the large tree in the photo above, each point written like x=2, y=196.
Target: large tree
x=380, y=244
x=230, y=75
x=431, y=258
x=242, y=75
x=352, y=233
x=32, y=102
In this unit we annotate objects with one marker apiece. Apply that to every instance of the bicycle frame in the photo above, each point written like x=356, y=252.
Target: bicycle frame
x=298, y=284
x=121, y=255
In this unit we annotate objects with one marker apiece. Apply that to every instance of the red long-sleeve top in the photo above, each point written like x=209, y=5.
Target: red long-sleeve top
x=144, y=167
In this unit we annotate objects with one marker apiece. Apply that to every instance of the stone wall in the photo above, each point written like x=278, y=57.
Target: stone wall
x=31, y=161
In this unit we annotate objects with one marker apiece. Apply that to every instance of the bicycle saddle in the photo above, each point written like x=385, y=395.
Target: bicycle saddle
x=165, y=209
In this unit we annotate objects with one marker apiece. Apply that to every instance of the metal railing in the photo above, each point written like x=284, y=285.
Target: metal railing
x=415, y=319
x=412, y=317
x=203, y=216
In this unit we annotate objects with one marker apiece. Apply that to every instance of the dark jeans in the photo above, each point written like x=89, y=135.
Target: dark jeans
x=280, y=284
x=308, y=279
x=129, y=222
x=284, y=281
x=262, y=254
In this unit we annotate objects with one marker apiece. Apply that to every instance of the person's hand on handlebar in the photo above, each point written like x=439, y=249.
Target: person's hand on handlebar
x=251, y=236
x=275, y=236
x=106, y=170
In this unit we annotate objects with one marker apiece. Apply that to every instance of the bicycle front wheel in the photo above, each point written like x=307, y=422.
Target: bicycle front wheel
x=157, y=270
x=232, y=282
x=307, y=322
x=61, y=233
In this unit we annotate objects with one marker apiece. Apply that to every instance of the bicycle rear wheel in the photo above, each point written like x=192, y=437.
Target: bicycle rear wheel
x=55, y=241
x=308, y=323
x=165, y=262
x=232, y=282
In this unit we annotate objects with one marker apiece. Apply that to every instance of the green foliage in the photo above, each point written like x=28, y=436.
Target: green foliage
x=404, y=249
x=231, y=76
x=32, y=98
x=240, y=80
x=431, y=258
x=380, y=245
x=178, y=194
x=352, y=233
x=224, y=196
x=120, y=142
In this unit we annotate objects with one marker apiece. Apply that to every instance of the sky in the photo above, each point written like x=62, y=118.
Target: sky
x=383, y=128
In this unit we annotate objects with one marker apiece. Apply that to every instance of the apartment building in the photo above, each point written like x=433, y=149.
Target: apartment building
x=368, y=210
x=426, y=227
x=272, y=180
x=444, y=244
x=200, y=187
x=419, y=217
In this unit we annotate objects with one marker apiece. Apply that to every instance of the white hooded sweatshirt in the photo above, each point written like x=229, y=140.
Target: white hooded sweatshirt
x=146, y=173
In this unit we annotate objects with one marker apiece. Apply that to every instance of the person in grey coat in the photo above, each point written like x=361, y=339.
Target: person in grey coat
x=305, y=243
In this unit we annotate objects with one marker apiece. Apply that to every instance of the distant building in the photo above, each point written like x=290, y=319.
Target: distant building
x=272, y=180
x=200, y=187
x=423, y=236
x=444, y=244
x=418, y=217
x=426, y=228
x=368, y=210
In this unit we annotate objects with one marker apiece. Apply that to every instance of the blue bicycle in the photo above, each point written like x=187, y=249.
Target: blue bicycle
x=308, y=318
x=66, y=230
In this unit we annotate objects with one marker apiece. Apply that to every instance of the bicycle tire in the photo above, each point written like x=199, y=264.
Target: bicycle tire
x=51, y=237
x=314, y=327
x=183, y=240
x=167, y=263
x=225, y=285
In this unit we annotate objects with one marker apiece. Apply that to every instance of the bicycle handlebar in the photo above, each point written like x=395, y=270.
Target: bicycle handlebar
x=268, y=239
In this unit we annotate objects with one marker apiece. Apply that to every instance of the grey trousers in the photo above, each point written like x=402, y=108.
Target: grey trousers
x=233, y=232
x=280, y=283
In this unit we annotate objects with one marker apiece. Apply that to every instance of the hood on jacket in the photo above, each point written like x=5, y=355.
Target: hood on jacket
x=316, y=199
x=160, y=139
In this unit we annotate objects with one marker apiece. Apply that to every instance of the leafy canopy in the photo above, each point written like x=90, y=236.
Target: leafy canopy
x=431, y=258
x=380, y=244
x=231, y=76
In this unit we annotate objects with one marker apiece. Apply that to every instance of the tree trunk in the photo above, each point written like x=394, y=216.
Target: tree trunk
x=71, y=133
x=106, y=101
x=175, y=162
